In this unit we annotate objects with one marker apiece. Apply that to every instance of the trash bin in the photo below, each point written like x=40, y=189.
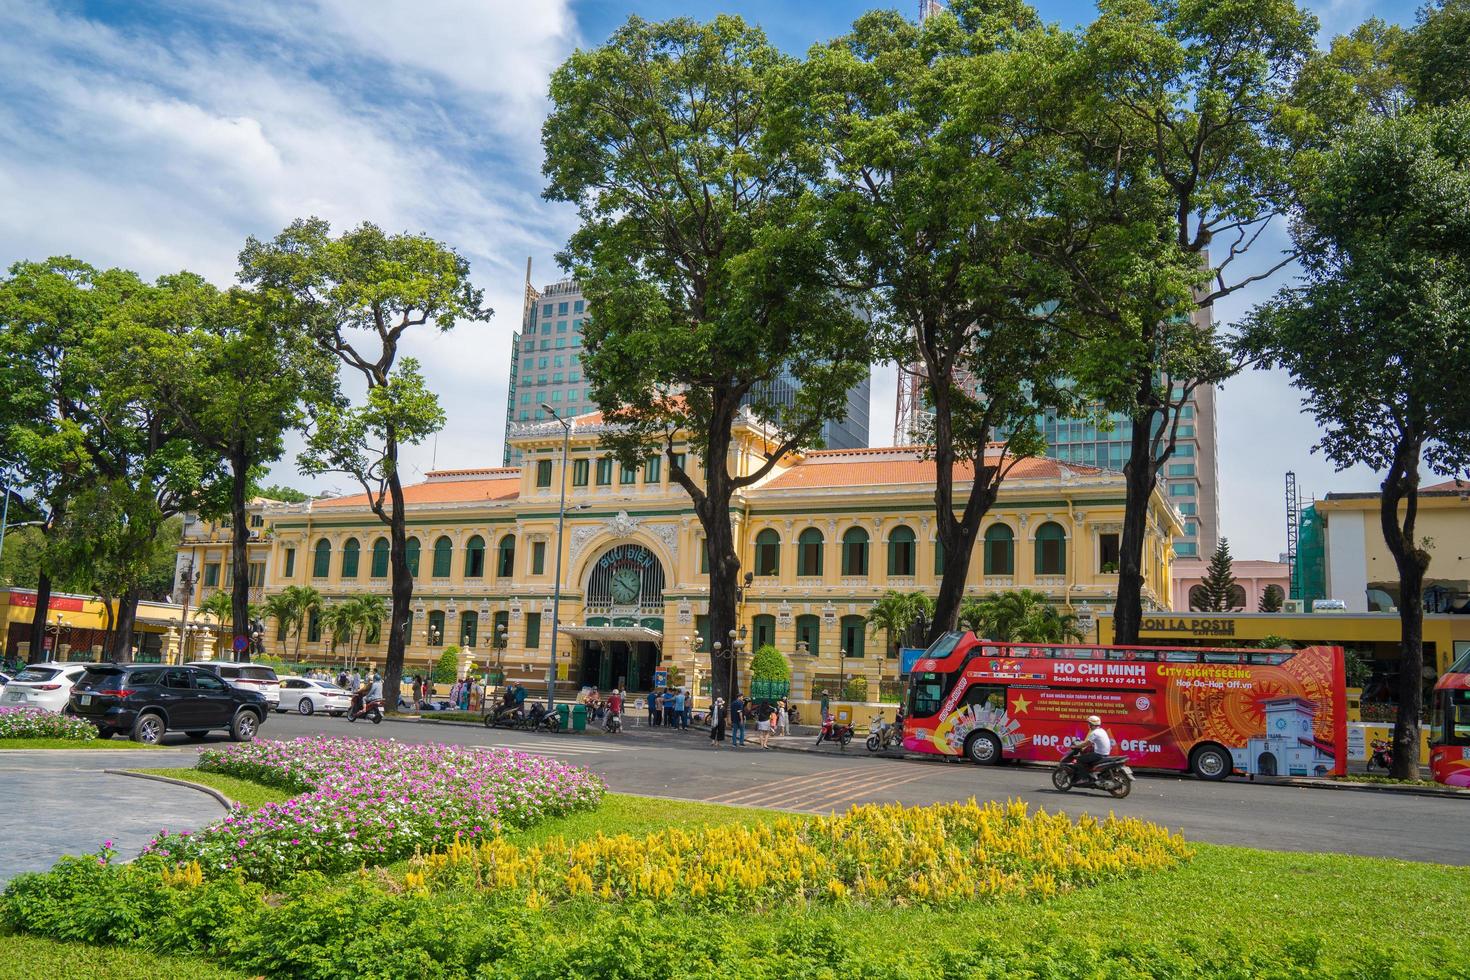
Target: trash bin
x=579, y=717
x=561, y=716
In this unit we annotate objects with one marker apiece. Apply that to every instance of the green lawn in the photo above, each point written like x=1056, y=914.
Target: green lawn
x=248, y=792
x=1227, y=900
x=67, y=743
x=30, y=958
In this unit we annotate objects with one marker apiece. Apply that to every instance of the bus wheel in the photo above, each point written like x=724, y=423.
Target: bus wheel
x=983, y=749
x=1210, y=762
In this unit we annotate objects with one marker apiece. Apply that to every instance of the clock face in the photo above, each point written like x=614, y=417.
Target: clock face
x=626, y=586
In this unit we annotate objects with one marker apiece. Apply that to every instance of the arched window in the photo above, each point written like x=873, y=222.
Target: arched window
x=443, y=556
x=1237, y=597
x=469, y=626
x=809, y=552
x=321, y=559
x=474, y=558
x=1199, y=598
x=380, y=559
x=855, y=551
x=411, y=556
x=901, y=551
x=768, y=553
x=854, y=635
x=1051, y=549
x=1000, y=550
x=349, y=558
x=505, y=565
x=809, y=631
x=764, y=632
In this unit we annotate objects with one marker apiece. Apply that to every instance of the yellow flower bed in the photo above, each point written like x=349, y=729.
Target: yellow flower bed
x=872, y=854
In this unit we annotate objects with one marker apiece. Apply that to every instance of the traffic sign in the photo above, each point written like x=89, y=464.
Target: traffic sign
x=240, y=644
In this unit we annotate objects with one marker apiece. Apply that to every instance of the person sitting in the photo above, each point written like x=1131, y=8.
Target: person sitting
x=1097, y=744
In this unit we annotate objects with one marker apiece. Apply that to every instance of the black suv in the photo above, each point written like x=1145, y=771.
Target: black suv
x=147, y=700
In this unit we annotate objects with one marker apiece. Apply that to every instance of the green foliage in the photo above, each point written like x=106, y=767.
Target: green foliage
x=1272, y=599
x=1019, y=616
x=769, y=664
x=1358, y=667
x=1219, y=581
x=899, y=614
x=1273, y=642
x=287, y=495
x=855, y=688
x=218, y=605
x=446, y=671
x=1436, y=53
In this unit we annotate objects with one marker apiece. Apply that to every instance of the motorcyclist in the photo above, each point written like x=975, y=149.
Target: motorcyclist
x=1097, y=744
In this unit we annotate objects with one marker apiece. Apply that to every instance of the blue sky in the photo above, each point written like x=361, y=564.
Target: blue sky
x=157, y=136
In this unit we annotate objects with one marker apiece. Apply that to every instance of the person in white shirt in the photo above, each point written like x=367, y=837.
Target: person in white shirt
x=1097, y=744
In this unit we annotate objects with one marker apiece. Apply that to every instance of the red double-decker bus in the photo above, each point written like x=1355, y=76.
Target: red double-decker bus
x=1207, y=711
x=1449, y=727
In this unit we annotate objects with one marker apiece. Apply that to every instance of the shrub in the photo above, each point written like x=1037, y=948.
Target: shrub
x=446, y=671
x=40, y=723
x=872, y=855
x=856, y=689
x=368, y=802
x=769, y=664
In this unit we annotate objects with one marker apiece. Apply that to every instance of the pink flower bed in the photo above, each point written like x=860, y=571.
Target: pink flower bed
x=369, y=802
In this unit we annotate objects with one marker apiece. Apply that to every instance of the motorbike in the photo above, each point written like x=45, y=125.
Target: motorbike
x=833, y=731
x=1382, y=755
x=884, y=736
x=372, y=710
x=614, y=724
x=541, y=719
x=505, y=715
x=1110, y=773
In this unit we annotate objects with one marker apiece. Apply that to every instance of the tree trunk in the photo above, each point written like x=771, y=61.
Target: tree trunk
x=1402, y=486
x=724, y=584
x=1139, y=475
x=37, y=651
x=239, y=554
x=127, y=615
x=402, y=581
x=959, y=548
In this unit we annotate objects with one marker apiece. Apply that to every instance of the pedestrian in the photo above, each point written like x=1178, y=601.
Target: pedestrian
x=783, y=719
x=671, y=719
x=717, y=722
x=737, y=721
x=688, y=712
x=763, y=713
x=418, y=690
x=676, y=716
x=826, y=704
x=652, y=709
x=614, y=704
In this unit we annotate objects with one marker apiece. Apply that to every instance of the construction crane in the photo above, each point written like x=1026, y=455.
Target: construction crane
x=1293, y=519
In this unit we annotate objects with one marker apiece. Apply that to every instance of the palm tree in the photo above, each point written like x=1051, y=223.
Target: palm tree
x=339, y=621
x=282, y=608
x=300, y=600
x=368, y=614
x=218, y=606
x=974, y=616
x=1019, y=616
x=896, y=613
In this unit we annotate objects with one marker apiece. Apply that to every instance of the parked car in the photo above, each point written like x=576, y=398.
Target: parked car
x=247, y=677
x=146, y=701
x=4, y=679
x=305, y=696
x=44, y=685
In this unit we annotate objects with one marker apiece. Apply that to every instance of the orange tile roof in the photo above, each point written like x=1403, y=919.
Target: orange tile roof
x=440, y=492
x=1449, y=486
x=902, y=465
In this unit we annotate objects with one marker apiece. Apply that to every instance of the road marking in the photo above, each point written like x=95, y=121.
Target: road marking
x=540, y=748
x=771, y=791
x=851, y=795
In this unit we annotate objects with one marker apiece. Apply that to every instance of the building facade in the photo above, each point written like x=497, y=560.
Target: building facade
x=1252, y=579
x=822, y=537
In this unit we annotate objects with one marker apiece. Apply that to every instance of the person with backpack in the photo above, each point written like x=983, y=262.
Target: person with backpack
x=737, y=721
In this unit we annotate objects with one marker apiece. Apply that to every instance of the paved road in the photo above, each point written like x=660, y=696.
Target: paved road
x=59, y=803
x=682, y=765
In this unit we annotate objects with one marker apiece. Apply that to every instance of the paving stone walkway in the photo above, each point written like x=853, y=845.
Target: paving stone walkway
x=61, y=802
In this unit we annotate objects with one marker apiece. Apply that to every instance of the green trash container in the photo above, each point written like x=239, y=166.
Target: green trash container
x=561, y=716
x=579, y=717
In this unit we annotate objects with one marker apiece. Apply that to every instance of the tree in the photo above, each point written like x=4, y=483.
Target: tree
x=701, y=253
x=356, y=296
x=296, y=603
x=446, y=671
x=1377, y=336
x=1021, y=616
x=1436, y=53
x=340, y=622
x=218, y=605
x=1272, y=599
x=1180, y=162
x=284, y=494
x=897, y=614
x=769, y=664
x=1219, y=580
x=284, y=609
x=937, y=197
x=233, y=377
x=367, y=613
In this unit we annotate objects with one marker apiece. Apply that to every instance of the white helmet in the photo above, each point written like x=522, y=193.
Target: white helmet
x=1094, y=721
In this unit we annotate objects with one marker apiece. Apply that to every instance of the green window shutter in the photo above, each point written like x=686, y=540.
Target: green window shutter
x=538, y=558
x=543, y=473
x=507, y=562
x=579, y=472
x=380, y=558
x=290, y=562
x=533, y=631
x=349, y=558
x=652, y=469
x=321, y=560
x=411, y=550
x=443, y=557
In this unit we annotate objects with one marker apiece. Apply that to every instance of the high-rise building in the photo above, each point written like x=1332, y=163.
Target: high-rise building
x=1190, y=479
x=546, y=368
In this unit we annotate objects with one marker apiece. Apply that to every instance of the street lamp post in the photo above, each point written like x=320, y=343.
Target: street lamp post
x=842, y=673
x=561, y=520
x=187, y=579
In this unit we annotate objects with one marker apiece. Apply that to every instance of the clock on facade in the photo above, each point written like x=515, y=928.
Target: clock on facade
x=626, y=584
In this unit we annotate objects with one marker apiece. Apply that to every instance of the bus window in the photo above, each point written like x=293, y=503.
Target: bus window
x=1081, y=653
x=1181, y=656
x=1459, y=716
x=1221, y=657
x=1115, y=653
x=926, y=694
x=1145, y=655
x=1266, y=659
x=994, y=696
x=944, y=646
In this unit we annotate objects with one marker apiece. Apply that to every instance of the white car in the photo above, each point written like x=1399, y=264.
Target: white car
x=46, y=685
x=307, y=696
x=247, y=677
x=4, y=679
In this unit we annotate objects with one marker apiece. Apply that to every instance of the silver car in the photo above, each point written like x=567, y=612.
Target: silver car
x=307, y=696
x=247, y=677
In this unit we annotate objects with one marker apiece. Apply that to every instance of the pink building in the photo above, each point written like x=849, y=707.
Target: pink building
x=1251, y=580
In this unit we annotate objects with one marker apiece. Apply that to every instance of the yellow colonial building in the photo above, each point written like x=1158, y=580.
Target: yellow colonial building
x=821, y=537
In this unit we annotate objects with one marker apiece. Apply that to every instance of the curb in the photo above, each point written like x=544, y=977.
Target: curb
x=1403, y=790
x=219, y=797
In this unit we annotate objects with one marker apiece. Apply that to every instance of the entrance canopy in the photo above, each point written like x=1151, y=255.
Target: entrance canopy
x=603, y=634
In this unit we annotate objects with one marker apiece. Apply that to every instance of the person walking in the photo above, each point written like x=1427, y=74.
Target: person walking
x=783, y=718
x=676, y=714
x=763, y=714
x=737, y=721
x=826, y=705
x=717, y=722
x=688, y=708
